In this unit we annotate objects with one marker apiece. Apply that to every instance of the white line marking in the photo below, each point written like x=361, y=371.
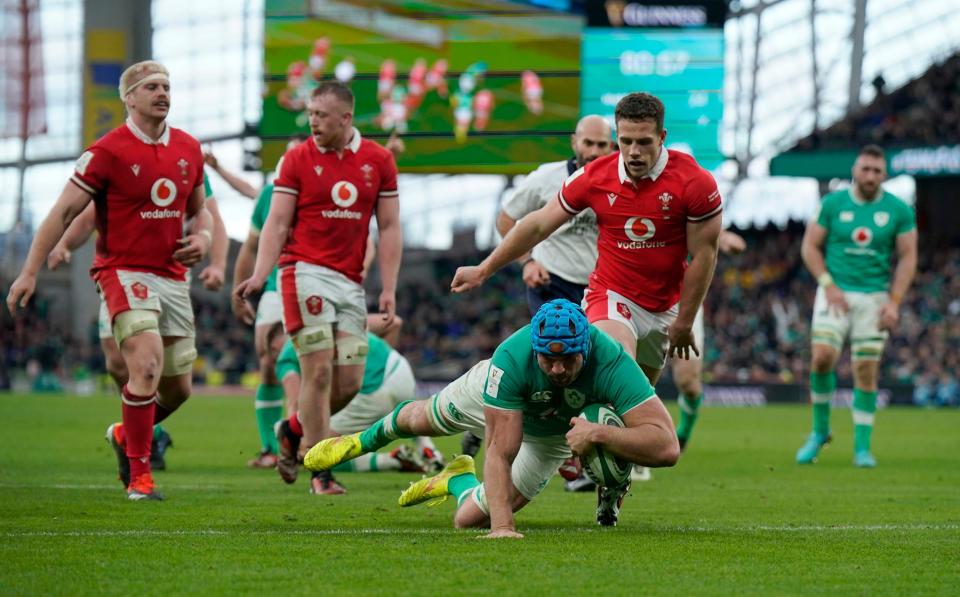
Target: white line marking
x=112, y=486
x=400, y=531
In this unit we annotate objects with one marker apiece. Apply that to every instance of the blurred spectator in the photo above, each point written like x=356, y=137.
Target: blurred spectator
x=757, y=313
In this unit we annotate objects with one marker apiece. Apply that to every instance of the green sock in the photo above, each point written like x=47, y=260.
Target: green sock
x=383, y=431
x=459, y=486
x=689, y=411
x=369, y=463
x=864, y=407
x=269, y=408
x=822, y=388
x=157, y=431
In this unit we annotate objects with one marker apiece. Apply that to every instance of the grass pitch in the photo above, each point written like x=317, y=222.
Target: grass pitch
x=736, y=516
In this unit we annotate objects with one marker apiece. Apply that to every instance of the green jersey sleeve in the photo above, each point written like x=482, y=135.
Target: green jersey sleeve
x=207, y=188
x=507, y=382
x=287, y=361
x=906, y=218
x=825, y=215
x=262, y=208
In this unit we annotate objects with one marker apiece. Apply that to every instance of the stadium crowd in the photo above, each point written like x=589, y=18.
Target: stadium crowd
x=758, y=326
x=923, y=112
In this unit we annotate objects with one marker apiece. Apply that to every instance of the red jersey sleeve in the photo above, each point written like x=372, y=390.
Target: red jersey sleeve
x=701, y=197
x=574, y=194
x=388, y=178
x=92, y=171
x=288, y=173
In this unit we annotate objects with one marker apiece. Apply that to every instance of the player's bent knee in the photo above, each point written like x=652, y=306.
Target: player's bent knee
x=178, y=357
x=313, y=339
x=133, y=322
x=173, y=399
x=351, y=350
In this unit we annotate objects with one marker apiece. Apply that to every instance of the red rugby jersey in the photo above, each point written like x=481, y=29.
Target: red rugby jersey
x=140, y=188
x=336, y=196
x=643, y=226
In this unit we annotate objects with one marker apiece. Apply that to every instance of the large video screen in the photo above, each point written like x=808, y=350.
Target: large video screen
x=683, y=67
x=478, y=87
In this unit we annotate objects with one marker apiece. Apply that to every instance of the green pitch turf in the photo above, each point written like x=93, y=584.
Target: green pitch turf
x=736, y=516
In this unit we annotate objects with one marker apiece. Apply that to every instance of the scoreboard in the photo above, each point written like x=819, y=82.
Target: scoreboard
x=683, y=67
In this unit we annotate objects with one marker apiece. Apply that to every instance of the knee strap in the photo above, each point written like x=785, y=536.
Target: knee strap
x=133, y=322
x=313, y=338
x=351, y=350
x=178, y=358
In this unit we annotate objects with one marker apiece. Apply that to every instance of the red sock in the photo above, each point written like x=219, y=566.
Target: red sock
x=138, y=427
x=295, y=427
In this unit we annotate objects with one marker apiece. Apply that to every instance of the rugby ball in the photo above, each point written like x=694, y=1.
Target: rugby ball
x=602, y=467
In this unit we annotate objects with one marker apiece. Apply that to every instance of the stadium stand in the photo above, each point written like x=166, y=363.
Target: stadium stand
x=926, y=111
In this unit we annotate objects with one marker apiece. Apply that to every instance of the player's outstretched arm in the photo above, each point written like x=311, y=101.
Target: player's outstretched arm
x=529, y=231
x=272, y=238
x=703, y=238
x=76, y=234
x=237, y=183
x=504, y=430
x=811, y=251
x=732, y=243
x=390, y=251
x=902, y=278
x=72, y=201
x=243, y=269
x=648, y=437
x=214, y=274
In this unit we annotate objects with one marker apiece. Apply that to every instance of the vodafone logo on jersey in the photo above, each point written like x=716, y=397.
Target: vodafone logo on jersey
x=344, y=194
x=640, y=231
x=862, y=236
x=163, y=192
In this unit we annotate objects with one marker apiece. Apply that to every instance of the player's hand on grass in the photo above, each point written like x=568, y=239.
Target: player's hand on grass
x=682, y=341
x=467, y=278
x=534, y=274
x=192, y=249
x=249, y=287
x=502, y=534
x=836, y=301
x=212, y=277
x=20, y=292
x=58, y=256
x=889, y=316
x=580, y=436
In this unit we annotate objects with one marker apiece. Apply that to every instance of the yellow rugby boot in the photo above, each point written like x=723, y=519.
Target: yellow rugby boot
x=330, y=452
x=435, y=487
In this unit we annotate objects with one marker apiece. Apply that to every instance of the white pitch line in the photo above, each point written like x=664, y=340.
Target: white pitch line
x=398, y=531
x=111, y=486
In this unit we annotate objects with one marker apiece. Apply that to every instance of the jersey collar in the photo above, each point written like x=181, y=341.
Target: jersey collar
x=654, y=173
x=353, y=145
x=859, y=201
x=164, y=136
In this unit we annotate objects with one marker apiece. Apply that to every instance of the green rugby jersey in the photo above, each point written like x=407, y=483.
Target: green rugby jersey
x=260, y=211
x=516, y=382
x=861, y=238
x=373, y=374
